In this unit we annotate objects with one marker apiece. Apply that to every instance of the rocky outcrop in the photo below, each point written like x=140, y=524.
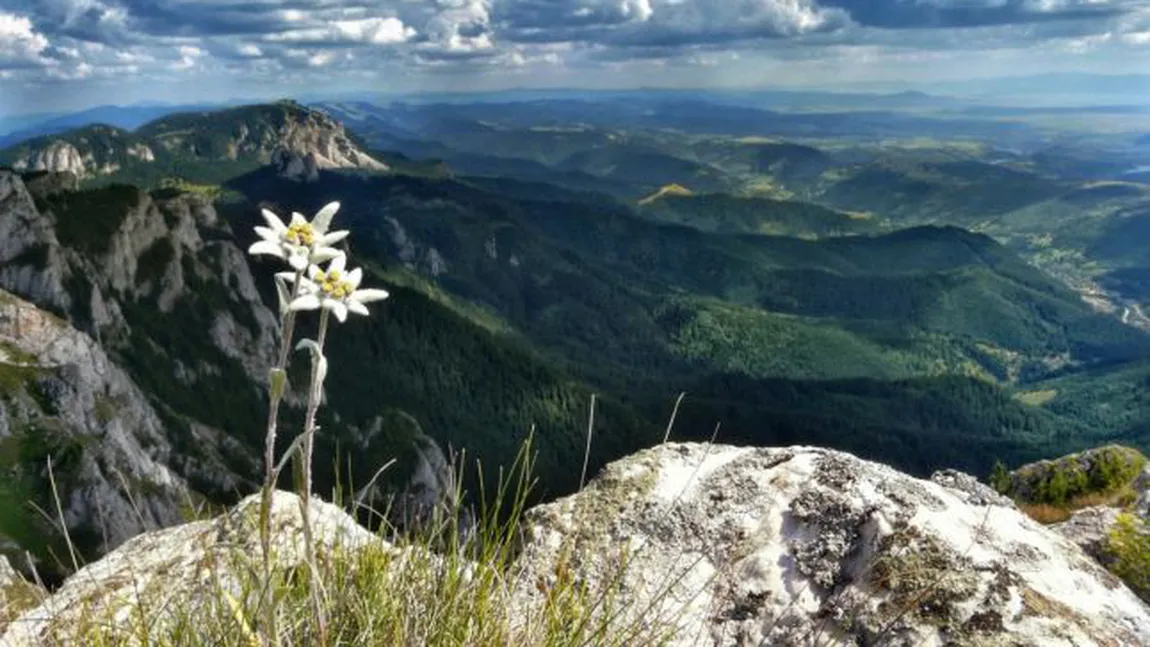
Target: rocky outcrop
x=183, y=571
x=742, y=546
x=1090, y=528
x=66, y=402
x=58, y=157
x=1141, y=485
x=298, y=141
x=295, y=166
x=141, y=152
x=695, y=544
x=172, y=257
x=310, y=141
x=1114, y=464
x=31, y=263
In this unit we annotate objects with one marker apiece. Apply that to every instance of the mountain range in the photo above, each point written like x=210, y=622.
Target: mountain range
x=899, y=302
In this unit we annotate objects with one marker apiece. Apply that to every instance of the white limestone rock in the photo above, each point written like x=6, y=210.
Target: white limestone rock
x=30, y=256
x=180, y=570
x=746, y=546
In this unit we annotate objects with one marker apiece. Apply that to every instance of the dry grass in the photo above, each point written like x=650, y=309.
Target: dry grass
x=1047, y=514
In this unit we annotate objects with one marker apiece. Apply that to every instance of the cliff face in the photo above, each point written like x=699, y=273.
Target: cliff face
x=94, y=281
x=142, y=345
x=66, y=407
x=257, y=135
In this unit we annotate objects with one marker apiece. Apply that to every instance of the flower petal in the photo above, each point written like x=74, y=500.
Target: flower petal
x=312, y=271
x=307, y=286
x=324, y=254
x=338, y=309
x=267, y=233
x=297, y=260
x=298, y=219
x=337, y=264
x=287, y=276
x=267, y=247
x=357, y=307
x=322, y=219
x=305, y=302
x=274, y=221
x=368, y=295
x=354, y=277
x=333, y=237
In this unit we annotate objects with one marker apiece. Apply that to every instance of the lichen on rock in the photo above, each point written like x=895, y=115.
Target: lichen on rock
x=779, y=546
x=181, y=572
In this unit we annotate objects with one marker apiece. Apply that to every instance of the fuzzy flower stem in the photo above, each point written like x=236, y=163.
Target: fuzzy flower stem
x=314, y=394
x=275, y=396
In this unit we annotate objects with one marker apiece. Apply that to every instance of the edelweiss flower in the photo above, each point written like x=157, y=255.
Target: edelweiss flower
x=300, y=243
x=335, y=290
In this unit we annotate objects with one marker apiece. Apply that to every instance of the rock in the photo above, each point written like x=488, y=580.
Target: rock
x=16, y=594
x=31, y=264
x=71, y=396
x=1089, y=528
x=977, y=492
x=429, y=497
x=46, y=184
x=142, y=153
x=295, y=166
x=1141, y=487
x=1025, y=480
x=181, y=570
x=58, y=156
x=746, y=546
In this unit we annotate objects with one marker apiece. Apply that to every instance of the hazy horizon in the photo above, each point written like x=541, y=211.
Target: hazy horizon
x=67, y=55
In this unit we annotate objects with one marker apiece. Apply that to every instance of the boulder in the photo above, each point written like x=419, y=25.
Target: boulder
x=1089, y=528
x=16, y=594
x=180, y=572
x=800, y=545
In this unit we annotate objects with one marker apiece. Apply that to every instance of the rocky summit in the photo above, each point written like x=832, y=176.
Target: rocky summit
x=286, y=134
x=800, y=546
x=699, y=545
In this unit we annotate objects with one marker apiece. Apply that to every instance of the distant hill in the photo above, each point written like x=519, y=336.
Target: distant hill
x=790, y=161
x=724, y=213
x=934, y=192
x=209, y=145
x=122, y=117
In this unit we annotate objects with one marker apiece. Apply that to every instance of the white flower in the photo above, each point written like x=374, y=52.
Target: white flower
x=335, y=290
x=300, y=243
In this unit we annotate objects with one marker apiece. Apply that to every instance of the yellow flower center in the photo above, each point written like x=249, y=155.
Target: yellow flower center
x=332, y=285
x=300, y=234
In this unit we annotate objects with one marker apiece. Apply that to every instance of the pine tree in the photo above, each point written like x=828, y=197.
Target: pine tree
x=1000, y=477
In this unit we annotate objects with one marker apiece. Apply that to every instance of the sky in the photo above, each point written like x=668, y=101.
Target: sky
x=60, y=55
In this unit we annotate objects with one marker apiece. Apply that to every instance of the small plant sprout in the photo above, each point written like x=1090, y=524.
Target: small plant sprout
x=304, y=245
x=300, y=243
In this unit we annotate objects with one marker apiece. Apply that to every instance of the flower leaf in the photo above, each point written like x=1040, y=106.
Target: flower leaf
x=277, y=380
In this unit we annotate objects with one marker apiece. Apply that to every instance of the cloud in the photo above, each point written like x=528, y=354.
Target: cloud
x=372, y=31
x=906, y=14
x=316, y=43
x=20, y=44
x=664, y=22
